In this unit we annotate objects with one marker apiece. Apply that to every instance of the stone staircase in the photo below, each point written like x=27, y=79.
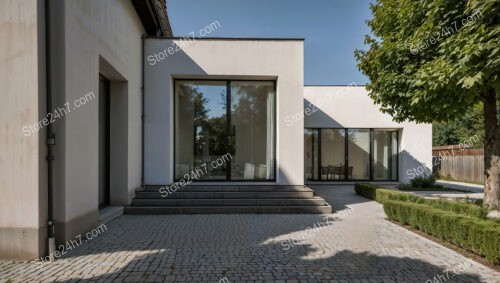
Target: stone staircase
x=223, y=199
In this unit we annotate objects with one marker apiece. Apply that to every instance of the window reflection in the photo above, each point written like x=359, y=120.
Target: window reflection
x=200, y=126
x=252, y=130
x=203, y=133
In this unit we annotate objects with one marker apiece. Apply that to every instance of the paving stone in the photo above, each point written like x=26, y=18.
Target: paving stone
x=357, y=245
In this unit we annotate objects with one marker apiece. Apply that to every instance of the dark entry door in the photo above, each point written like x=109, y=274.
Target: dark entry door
x=104, y=93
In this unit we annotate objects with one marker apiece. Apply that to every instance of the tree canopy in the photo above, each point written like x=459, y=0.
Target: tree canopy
x=431, y=60
x=461, y=129
x=434, y=61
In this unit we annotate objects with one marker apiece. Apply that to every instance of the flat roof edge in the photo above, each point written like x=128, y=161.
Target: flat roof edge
x=227, y=38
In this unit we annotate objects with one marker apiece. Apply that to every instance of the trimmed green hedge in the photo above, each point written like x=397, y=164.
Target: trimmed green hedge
x=471, y=233
x=382, y=195
x=462, y=224
x=366, y=190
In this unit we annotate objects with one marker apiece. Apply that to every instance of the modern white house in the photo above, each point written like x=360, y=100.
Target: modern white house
x=102, y=107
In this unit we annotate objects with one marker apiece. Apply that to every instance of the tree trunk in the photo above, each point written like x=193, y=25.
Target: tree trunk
x=491, y=151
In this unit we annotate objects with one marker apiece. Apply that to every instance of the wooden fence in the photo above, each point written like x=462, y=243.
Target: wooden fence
x=459, y=163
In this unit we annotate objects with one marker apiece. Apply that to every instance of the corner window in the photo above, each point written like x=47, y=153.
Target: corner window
x=350, y=154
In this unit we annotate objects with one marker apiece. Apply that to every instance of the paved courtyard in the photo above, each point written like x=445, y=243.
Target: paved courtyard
x=354, y=245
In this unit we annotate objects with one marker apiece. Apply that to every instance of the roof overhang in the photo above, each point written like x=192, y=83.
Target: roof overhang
x=154, y=17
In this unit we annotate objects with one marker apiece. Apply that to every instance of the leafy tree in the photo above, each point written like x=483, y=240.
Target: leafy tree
x=470, y=127
x=218, y=135
x=432, y=61
x=200, y=105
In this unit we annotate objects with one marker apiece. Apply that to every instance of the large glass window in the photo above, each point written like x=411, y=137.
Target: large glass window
x=206, y=130
x=252, y=130
x=332, y=154
x=350, y=154
x=200, y=127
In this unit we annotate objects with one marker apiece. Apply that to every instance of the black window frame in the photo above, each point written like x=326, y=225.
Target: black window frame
x=228, y=129
x=346, y=154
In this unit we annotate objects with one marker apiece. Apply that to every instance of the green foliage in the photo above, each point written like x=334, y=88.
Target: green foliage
x=477, y=235
x=468, y=209
x=460, y=129
x=431, y=60
x=426, y=181
x=382, y=195
x=366, y=190
x=462, y=224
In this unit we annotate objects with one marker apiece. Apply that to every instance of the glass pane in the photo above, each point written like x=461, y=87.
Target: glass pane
x=358, y=154
x=333, y=154
x=381, y=155
x=311, y=154
x=385, y=155
x=200, y=128
x=252, y=130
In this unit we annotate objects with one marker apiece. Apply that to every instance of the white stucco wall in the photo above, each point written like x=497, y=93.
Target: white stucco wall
x=22, y=164
x=223, y=59
x=87, y=37
x=351, y=107
x=93, y=37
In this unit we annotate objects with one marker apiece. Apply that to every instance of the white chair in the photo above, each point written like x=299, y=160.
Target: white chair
x=261, y=171
x=249, y=171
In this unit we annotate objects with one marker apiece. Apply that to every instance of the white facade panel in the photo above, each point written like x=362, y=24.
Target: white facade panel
x=280, y=60
x=92, y=38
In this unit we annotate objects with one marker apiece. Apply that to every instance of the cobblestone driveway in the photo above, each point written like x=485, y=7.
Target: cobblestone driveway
x=357, y=245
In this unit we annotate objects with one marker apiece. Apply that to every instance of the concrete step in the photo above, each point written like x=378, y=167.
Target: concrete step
x=217, y=199
x=227, y=195
x=324, y=209
x=227, y=188
x=229, y=202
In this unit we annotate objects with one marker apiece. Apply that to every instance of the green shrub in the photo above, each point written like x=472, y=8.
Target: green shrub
x=462, y=224
x=447, y=205
x=468, y=209
x=423, y=181
x=366, y=190
x=382, y=195
x=477, y=235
